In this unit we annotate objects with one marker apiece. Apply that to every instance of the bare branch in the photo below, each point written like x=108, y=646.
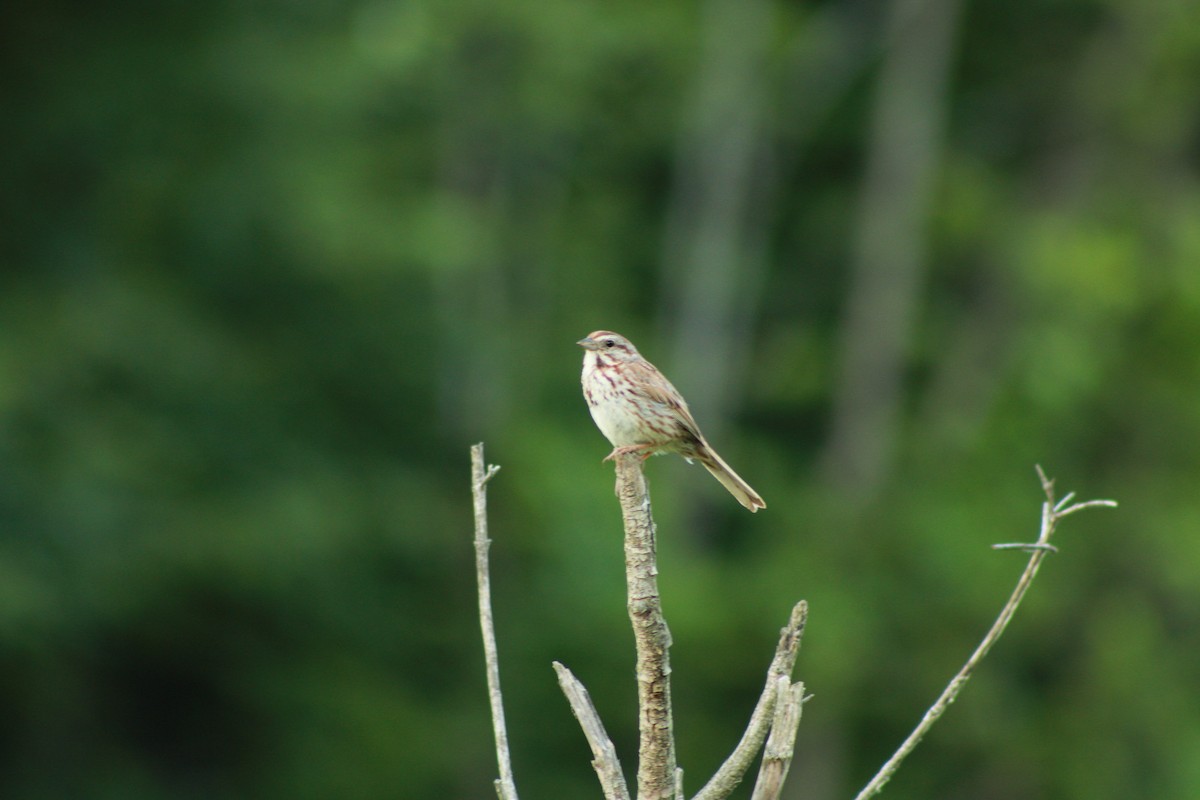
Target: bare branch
x=777, y=757
x=608, y=768
x=1028, y=548
x=1052, y=512
x=656, y=751
x=505, y=787
x=1047, y=483
x=730, y=774
x=1087, y=504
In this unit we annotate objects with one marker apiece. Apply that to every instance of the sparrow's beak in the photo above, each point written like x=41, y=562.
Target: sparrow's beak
x=588, y=344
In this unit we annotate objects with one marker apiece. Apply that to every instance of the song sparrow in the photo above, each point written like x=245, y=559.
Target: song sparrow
x=637, y=409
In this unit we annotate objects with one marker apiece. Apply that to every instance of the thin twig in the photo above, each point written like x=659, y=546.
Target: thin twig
x=656, y=778
x=608, y=768
x=505, y=786
x=1029, y=548
x=1052, y=512
x=730, y=774
x=1087, y=504
x=777, y=755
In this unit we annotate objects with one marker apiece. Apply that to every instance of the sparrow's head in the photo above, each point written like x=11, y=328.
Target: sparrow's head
x=609, y=346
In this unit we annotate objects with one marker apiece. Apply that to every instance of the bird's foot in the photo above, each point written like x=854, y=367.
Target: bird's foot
x=628, y=449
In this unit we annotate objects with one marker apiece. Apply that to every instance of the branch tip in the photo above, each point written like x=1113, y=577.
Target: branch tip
x=1088, y=504
x=1047, y=483
x=799, y=615
x=1028, y=548
x=604, y=761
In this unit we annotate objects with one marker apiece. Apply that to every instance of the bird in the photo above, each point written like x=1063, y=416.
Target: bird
x=639, y=411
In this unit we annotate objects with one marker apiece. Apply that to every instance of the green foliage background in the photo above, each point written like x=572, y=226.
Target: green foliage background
x=270, y=267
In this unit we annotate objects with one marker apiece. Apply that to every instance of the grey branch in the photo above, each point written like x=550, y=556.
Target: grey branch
x=656, y=779
x=1052, y=511
x=505, y=787
x=777, y=757
x=608, y=768
x=730, y=774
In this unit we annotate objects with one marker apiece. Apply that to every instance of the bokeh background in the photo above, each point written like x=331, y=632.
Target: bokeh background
x=269, y=268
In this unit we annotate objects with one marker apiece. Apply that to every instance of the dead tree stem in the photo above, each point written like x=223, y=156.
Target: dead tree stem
x=505, y=785
x=656, y=778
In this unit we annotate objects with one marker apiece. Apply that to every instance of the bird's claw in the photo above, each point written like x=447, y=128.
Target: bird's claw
x=627, y=450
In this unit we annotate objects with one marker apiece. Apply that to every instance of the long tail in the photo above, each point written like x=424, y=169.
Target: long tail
x=729, y=479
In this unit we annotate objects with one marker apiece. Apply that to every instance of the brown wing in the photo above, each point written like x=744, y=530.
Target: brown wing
x=649, y=383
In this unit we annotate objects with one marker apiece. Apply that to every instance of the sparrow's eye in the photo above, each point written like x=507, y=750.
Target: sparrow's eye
x=609, y=342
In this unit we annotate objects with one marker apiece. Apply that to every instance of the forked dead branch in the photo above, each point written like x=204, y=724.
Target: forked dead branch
x=1052, y=512
x=776, y=716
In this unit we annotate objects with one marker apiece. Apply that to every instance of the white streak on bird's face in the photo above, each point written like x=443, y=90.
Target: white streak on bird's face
x=606, y=348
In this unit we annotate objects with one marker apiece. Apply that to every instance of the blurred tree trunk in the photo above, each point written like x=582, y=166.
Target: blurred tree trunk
x=889, y=255
x=713, y=262
x=468, y=208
